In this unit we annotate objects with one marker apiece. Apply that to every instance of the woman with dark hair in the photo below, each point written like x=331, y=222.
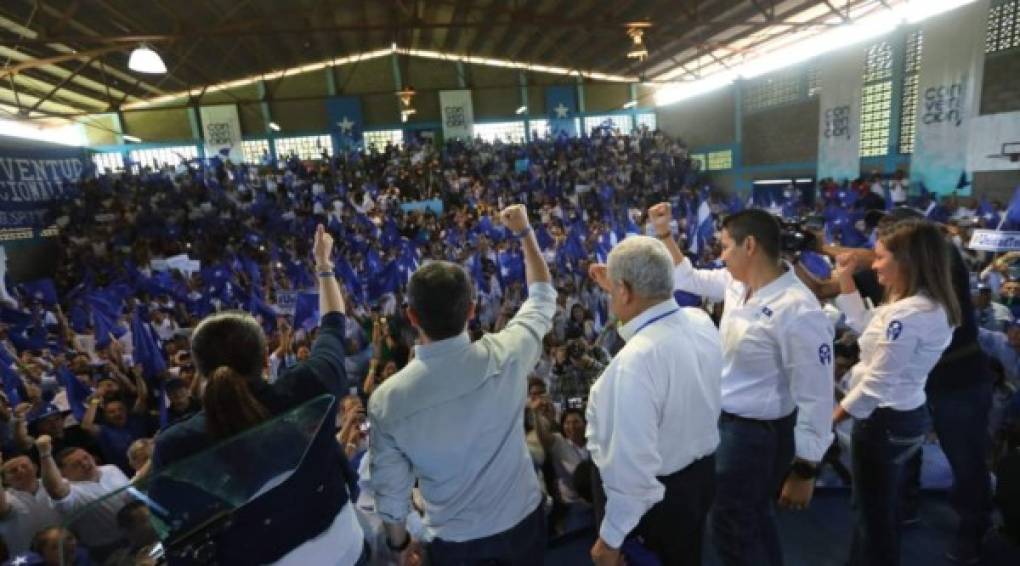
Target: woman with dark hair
x=900, y=342
x=308, y=519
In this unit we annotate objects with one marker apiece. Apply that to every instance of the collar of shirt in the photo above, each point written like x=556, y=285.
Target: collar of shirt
x=627, y=331
x=442, y=348
x=774, y=289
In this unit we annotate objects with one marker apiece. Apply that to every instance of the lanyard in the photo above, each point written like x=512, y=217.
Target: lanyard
x=656, y=319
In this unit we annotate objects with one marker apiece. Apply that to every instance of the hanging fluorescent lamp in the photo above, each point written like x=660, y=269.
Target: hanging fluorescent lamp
x=521, y=110
x=144, y=60
x=629, y=104
x=274, y=126
x=132, y=139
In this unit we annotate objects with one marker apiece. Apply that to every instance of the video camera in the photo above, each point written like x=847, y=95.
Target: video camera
x=797, y=234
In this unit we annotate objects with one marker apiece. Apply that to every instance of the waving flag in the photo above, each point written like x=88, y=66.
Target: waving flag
x=306, y=311
x=147, y=351
x=42, y=290
x=1013, y=210
x=12, y=384
x=77, y=392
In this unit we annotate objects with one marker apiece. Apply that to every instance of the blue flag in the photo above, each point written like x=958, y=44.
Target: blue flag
x=306, y=311
x=42, y=290
x=77, y=392
x=815, y=264
x=561, y=108
x=147, y=350
x=12, y=384
x=1013, y=210
x=988, y=214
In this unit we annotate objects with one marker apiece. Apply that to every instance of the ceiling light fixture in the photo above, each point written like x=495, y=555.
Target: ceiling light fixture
x=630, y=104
x=274, y=126
x=144, y=60
x=636, y=31
x=134, y=139
x=521, y=110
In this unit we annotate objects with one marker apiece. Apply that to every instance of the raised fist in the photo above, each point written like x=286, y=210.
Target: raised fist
x=44, y=443
x=661, y=215
x=515, y=217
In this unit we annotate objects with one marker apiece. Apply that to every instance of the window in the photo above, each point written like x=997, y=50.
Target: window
x=908, y=102
x=108, y=161
x=307, y=148
x=621, y=123
x=775, y=89
x=876, y=100
x=506, y=132
x=157, y=158
x=699, y=159
x=647, y=119
x=539, y=128
x=254, y=150
x=719, y=160
x=379, y=139
x=1003, y=26
x=814, y=81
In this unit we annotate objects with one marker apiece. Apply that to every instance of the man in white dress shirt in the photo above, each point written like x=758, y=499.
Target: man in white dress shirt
x=652, y=413
x=777, y=383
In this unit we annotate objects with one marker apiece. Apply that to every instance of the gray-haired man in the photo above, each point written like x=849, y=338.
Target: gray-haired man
x=652, y=413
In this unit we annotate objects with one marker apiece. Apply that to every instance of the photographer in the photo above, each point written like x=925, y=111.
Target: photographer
x=575, y=368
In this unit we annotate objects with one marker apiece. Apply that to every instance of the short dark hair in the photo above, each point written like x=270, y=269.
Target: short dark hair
x=758, y=223
x=440, y=293
x=571, y=411
x=233, y=339
x=64, y=453
x=536, y=381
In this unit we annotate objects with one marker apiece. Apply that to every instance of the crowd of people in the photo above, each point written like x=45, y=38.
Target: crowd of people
x=625, y=351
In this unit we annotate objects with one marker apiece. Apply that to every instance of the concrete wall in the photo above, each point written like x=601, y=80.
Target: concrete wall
x=702, y=121
x=781, y=135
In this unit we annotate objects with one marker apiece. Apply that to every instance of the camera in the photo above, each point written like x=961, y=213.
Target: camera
x=796, y=236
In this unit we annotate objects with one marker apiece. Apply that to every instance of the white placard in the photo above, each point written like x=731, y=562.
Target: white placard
x=458, y=114
x=995, y=241
x=221, y=130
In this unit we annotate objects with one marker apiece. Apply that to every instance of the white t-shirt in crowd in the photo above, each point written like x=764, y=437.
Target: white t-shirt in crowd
x=29, y=513
x=97, y=525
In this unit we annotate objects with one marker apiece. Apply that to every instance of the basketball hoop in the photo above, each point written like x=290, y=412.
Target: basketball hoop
x=1010, y=151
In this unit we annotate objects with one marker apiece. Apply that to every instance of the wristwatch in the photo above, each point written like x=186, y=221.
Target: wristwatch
x=804, y=470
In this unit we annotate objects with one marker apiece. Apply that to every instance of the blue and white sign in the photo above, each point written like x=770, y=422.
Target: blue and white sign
x=345, y=121
x=561, y=108
x=995, y=241
x=34, y=177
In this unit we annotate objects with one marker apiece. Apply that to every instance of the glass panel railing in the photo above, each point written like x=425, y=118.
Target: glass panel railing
x=190, y=500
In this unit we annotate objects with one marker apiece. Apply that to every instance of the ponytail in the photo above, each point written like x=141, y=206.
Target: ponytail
x=230, y=407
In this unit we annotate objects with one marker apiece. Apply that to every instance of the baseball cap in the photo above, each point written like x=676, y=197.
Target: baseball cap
x=48, y=410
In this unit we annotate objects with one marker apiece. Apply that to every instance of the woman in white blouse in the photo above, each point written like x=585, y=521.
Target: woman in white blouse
x=900, y=342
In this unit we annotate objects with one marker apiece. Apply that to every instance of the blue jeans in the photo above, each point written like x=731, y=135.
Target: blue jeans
x=882, y=445
x=751, y=463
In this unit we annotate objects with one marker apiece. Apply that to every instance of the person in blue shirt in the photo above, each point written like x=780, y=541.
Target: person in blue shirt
x=309, y=512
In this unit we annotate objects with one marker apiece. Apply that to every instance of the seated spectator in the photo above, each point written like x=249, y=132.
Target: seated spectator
x=79, y=489
x=25, y=507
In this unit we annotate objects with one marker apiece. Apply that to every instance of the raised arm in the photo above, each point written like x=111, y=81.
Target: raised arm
x=710, y=283
x=56, y=486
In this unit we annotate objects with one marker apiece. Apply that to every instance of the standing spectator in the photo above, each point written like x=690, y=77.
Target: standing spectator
x=990, y=315
x=76, y=483
x=482, y=499
x=25, y=507
x=652, y=414
x=568, y=450
x=900, y=343
x=120, y=428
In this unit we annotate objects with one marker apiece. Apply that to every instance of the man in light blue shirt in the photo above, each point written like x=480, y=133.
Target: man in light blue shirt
x=452, y=419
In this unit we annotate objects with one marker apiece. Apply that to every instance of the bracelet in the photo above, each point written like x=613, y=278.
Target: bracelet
x=46, y=455
x=402, y=547
x=521, y=234
x=326, y=274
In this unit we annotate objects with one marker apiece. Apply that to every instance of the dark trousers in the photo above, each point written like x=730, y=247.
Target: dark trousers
x=521, y=545
x=960, y=419
x=882, y=445
x=753, y=459
x=673, y=528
